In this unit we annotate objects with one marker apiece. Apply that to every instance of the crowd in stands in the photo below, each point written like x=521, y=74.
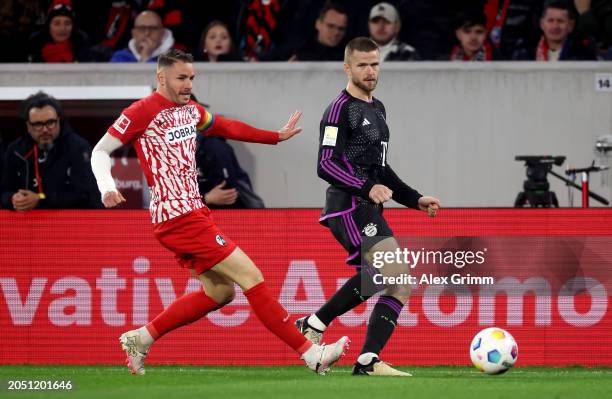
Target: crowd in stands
x=304, y=30
x=48, y=166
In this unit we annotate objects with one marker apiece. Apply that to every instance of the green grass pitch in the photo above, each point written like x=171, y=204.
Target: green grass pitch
x=177, y=382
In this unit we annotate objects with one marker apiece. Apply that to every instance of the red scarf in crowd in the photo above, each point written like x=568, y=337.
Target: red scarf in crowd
x=34, y=151
x=58, y=52
x=484, y=54
x=542, y=50
x=496, y=11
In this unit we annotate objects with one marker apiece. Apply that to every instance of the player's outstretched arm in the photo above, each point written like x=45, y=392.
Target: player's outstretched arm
x=290, y=129
x=101, y=166
x=237, y=130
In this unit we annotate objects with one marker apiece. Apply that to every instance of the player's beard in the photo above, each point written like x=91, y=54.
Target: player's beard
x=363, y=86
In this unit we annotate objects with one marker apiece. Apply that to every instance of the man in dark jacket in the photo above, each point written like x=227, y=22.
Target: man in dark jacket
x=49, y=166
x=557, y=42
x=222, y=181
x=384, y=26
x=327, y=44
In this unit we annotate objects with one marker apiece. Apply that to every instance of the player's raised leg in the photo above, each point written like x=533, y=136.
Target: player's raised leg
x=240, y=268
x=217, y=291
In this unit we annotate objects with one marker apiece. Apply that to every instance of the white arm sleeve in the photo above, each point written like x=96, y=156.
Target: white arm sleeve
x=101, y=163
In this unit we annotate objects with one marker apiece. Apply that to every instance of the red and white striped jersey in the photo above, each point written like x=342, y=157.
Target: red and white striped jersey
x=164, y=137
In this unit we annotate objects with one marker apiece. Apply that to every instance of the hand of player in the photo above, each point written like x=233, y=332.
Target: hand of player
x=430, y=205
x=25, y=200
x=289, y=130
x=380, y=193
x=220, y=196
x=112, y=199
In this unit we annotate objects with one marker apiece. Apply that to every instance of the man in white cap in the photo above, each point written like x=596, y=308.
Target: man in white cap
x=384, y=25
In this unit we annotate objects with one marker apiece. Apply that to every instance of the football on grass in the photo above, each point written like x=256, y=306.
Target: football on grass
x=493, y=351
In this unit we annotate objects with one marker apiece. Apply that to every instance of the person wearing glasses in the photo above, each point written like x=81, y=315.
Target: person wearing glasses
x=49, y=166
x=326, y=45
x=149, y=40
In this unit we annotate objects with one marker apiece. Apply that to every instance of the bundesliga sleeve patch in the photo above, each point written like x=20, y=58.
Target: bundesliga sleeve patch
x=122, y=124
x=330, y=135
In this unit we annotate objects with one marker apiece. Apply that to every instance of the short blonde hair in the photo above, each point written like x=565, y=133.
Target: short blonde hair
x=362, y=43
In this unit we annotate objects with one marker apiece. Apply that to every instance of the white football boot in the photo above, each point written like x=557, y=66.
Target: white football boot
x=320, y=358
x=130, y=342
x=379, y=368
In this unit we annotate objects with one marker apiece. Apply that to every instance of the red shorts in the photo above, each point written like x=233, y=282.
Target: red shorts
x=197, y=243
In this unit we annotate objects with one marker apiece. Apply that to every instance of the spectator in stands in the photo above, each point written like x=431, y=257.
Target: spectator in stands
x=216, y=44
x=221, y=180
x=512, y=23
x=384, y=26
x=59, y=40
x=429, y=25
x=149, y=40
x=223, y=183
x=472, y=39
x=18, y=19
x=557, y=43
x=49, y=166
x=331, y=27
x=595, y=20
x=115, y=33
x=184, y=18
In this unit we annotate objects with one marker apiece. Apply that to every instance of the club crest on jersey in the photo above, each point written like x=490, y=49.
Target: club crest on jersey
x=122, y=124
x=220, y=240
x=370, y=230
x=181, y=133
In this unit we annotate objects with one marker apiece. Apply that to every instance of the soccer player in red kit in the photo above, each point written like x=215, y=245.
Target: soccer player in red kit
x=162, y=128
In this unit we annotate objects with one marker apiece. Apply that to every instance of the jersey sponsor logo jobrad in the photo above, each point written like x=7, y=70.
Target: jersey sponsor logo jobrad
x=181, y=133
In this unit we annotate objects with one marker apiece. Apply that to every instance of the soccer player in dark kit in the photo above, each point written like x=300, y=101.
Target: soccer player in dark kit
x=353, y=148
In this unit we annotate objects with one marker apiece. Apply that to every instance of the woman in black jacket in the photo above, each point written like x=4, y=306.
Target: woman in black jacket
x=59, y=40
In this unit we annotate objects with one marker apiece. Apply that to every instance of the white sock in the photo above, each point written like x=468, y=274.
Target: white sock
x=146, y=339
x=315, y=322
x=366, y=358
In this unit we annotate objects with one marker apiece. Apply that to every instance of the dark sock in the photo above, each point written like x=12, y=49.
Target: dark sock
x=382, y=323
x=355, y=291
